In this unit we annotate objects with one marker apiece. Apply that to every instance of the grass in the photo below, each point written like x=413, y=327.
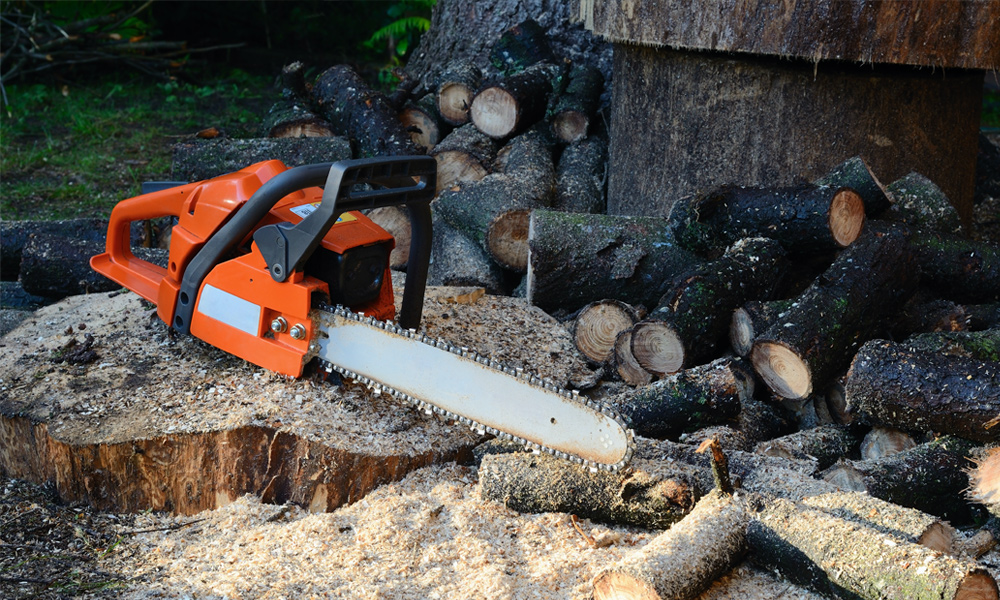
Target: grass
x=74, y=149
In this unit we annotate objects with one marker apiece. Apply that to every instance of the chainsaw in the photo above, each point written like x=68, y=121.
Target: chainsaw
x=280, y=267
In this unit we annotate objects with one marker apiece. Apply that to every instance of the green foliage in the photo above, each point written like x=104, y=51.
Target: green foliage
x=991, y=109
x=64, y=13
x=410, y=19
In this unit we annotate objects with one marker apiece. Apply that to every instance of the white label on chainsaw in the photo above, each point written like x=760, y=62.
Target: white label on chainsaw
x=304, y=210
x=229, y=309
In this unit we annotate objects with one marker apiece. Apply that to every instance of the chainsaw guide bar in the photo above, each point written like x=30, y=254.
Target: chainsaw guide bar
x=471, y=389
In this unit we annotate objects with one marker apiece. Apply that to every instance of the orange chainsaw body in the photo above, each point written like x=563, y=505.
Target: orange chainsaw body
x=240, y=307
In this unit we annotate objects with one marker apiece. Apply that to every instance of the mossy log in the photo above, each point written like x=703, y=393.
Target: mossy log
x=465, y=154
x=805, y=218
x=197, y=160
x=825, y=444
x=922, y=206
x=697, y=308
x=892, y=385
x=685, y=560
x=690, y=399
x=455, y=89
x=930, y=477
x=749, y=320
x=598, y=325
x=361, y=113
x=846, y=306
x=957, y=268
x=580, y=177
x=571, y=111
x=579, y=258
x=512, y=104
x=495, y=211
x=845, y=559
x=855, y=173
x=421, y=120
x=982, y=345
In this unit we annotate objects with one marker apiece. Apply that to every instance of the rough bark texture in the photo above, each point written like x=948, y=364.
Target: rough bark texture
x=580, y=177
x=982, y=345
x=894, y=386
x=843, y=308
x=857, y=175
x=920, y=315
x=520, y=47
x=922, y=206
x=456, y=260
x=958, y=268
x=466, y=154
x=845, y=559
x=15, y=235
x=825, y=444
x=751, y=319
x=685, y=560
x=983, y=316
x=204, y=159
x=575, y=259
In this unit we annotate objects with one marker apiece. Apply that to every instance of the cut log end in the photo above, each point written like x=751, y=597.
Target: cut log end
x=421, y=127
x=622, y=586
x=494, y=111
x=782, y=369
x=454, y=100
x=570, y=126
x=741, y=332
x=984, y=480
x=598, y=326
x=627, y=367
x=507, y=239
x=657, y=347
x=456, y=167
x=977, y=585
x=847, y=216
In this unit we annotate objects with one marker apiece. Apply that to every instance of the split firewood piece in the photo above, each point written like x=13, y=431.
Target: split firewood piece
x=512, y=104
x=396, y=221
x=576, y=259
x=292, y=116
x=805, y=218
x=597, y=326
x=981, y=345
x=685, y=560
x=580, y=177
x=930, y=477
x=921, y=205
x=855, y=173
x=495, y=211
x=923, y=315
x=463, y=155
x=894, y=386
x=690, y=399
x=984, y=478
x=825, y=444
x=421, y=119
x=983, y=316
x=842, y=309
x=197, y=160
x=457, y=260
x=751, y=319
x=520, y=47
x=456, y=88
x=361, y=113
x=526, y=482
x=957, y=268
x=843, y=558
x=885, y=441
x=625, y=365
x=698, y=306
x=572, y=110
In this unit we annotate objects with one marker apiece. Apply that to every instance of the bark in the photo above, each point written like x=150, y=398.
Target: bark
x=699, y=305
x=495, y=211
x=15, y=235
x=705, y=395
x=576, y=259
x=881, y=442
x=360, y=113
x=982, y=345
x=421, y=120
x=685, y=560
x=921, y=315
x=598, y=325
x=922, y=206
x=845, y=559
x=466, y=154
x=751, y=319
x=292, y=116
x=836, y=402
x=520, y=47
x=13, y=297
x=572, y=111
x=983, y=316
x=805, y=218
x=512, y=104
x=916, y=390
x=198, y=160
x=580, y=177
x=456, y=260
x=625, y=365
x=843, y=308
x=957, y=268
x=857, y=175
x=824, y=444
x=930, y=477
x=455, y=90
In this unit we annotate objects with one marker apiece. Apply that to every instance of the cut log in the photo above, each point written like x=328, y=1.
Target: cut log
x=466, y=154
x=360, y=113
x=624, y=363
x=920, y=315
x=824, y=444
x=984, y=479
x=958, y=268
x=420, y=118
x=690, y=399
x=805, y=218
x=982, y=345
x=855, y=173
x=292, y=116
x=848, y=560
x=396, y=221
x=983, y=316
x=495, y=211
x=572, y=111
x=457, y=260
x=598, y=325
x=751, y=319
x=841, y=310
x=699, y=304
x=930, y=477
x=197, y=160
x=922, y=206
x=520, y=47
x=685, y=560
x=455, y=90
x=15, y=235
x=894, y=386
x=512, y=104
x=885, y=441
x=576, y=259
x=580, y=177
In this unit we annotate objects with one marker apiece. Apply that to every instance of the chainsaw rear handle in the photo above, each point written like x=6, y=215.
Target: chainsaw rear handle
x=289, y=246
